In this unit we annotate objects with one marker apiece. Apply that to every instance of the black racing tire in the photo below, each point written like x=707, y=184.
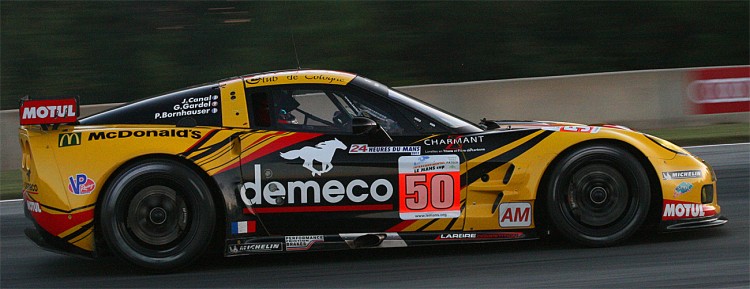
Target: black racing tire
x=598, y=195
x=158, y=215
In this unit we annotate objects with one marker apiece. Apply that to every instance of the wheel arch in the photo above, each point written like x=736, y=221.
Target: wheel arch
x=216, y=194
x=654, y=212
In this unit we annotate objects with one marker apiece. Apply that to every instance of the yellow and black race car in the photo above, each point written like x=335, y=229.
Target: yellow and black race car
x=321, y=160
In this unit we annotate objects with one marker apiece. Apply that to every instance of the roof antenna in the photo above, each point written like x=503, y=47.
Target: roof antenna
x=294, y=43
x=295, y=51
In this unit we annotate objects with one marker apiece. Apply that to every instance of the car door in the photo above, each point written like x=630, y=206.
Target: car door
x=328, y=159
x=306, y=172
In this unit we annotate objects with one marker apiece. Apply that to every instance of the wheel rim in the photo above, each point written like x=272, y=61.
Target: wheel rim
x=597, y=196
x=157, y=216
x=598, y=200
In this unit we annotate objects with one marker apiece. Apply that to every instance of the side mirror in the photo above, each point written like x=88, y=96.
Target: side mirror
x=363, y=125
x=366, y=126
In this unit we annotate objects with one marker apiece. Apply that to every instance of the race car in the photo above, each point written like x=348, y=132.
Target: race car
x=304, y=160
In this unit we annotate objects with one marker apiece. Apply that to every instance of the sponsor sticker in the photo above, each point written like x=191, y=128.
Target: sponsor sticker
x=674, y=210
x=515, y=215
x=81, y=184
x=256, y=194
x=459, y=236
x=68, y=139
x=292, y=77
x=429, y=187
x=367, y=149
x=322, y=152
x=243, y=227
x=480, y=236
x=678, y=175
x=33, y=206
x=178, y=133
x=578, y=128
x=501, y=235
x=235, y=249
x=454, y=144
x=48, y=111
x=301, y=243
x=682, y=188
x=30, y=188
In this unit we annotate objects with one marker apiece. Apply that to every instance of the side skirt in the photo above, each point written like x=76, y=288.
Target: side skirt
x=279, y=244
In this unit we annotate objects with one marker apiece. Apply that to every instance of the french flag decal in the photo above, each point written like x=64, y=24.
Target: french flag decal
x=243, y=227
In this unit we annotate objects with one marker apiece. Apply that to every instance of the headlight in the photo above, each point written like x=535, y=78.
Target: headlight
x=667, y=145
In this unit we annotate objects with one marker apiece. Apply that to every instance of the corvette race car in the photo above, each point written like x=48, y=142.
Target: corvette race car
x=306, y=160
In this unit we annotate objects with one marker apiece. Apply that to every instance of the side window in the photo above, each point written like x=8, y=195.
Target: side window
x=306, y=110
x=261, y=108
x=321, y=108
x=359, y=104
x=424, y=124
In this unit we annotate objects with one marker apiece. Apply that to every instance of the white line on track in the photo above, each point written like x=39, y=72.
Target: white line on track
x=703, y=146
x=718, y=145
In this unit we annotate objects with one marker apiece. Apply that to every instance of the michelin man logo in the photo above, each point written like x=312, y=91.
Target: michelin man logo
x=322, y=152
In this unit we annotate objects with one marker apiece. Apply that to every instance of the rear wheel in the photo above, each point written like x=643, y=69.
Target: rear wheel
x=158, y=215
x=598, y=195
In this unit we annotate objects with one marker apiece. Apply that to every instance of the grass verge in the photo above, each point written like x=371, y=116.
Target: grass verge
x=11, y=183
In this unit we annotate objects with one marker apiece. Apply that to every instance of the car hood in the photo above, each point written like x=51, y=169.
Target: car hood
x=516, y=124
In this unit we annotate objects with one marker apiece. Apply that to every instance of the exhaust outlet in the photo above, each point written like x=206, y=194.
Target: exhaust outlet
x=369, y=240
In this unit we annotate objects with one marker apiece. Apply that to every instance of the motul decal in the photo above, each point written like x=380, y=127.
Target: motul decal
x=674, y=210
x=48, y=111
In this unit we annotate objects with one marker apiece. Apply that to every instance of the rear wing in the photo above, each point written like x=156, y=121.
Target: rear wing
x=49, y=111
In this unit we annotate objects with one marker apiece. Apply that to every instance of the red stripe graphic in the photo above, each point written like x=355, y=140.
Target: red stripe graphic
x=200, y=141
x=311, y=209
x=275, y=145
x=56, y=224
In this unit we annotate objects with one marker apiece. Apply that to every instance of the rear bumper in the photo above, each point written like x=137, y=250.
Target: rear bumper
x=52, y=243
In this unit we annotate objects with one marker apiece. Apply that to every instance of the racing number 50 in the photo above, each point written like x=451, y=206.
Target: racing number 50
x=438, y=192
x=429, y=187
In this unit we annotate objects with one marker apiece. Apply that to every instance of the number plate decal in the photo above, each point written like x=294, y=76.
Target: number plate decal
x=429, y=187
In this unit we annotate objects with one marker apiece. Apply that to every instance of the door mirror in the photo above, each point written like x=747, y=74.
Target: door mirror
x=366, y=126
x=363, y=125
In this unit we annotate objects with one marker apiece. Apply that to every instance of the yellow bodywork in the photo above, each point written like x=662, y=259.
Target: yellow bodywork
x=97, y=152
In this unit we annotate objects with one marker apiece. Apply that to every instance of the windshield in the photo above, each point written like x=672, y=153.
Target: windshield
x=445, y=118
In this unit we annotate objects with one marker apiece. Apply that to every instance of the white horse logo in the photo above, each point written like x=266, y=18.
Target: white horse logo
x=322, y=152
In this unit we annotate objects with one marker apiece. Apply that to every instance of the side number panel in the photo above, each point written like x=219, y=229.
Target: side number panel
x=430, y=187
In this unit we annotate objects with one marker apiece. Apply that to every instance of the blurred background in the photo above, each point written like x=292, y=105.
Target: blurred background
x=120, y=51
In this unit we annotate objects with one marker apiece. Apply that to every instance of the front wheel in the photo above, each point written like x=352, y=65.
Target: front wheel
x=598, y=195
x=158, y=215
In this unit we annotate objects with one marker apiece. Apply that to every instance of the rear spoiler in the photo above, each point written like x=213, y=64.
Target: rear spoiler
x=47, y=111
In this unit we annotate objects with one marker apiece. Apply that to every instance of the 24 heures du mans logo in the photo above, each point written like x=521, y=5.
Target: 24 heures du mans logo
x=69, y=139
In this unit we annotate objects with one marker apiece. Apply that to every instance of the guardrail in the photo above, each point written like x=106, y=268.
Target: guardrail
x=639, y=99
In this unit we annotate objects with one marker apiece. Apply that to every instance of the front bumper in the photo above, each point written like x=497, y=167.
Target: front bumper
x=692, y=224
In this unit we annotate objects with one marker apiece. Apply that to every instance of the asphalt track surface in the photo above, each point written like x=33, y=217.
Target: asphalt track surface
x=717, y=257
